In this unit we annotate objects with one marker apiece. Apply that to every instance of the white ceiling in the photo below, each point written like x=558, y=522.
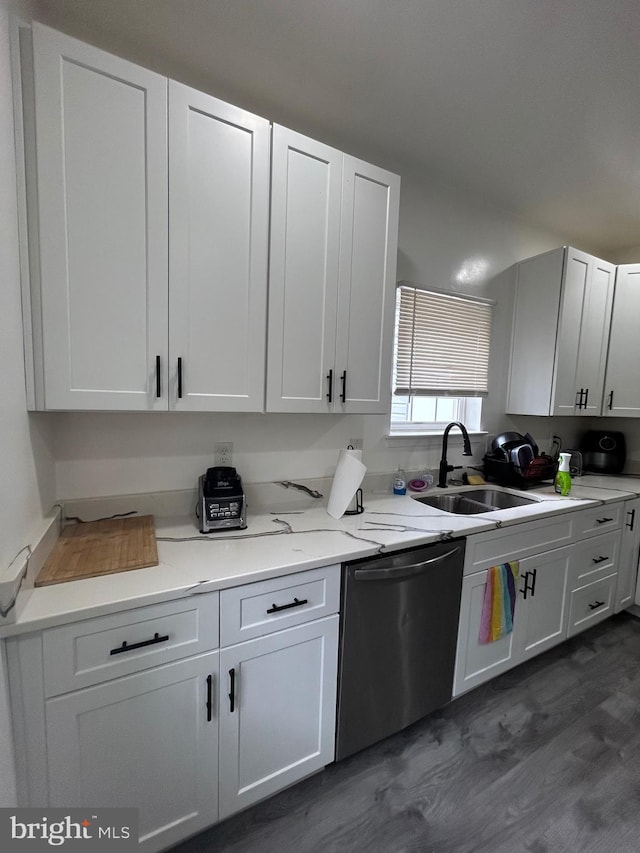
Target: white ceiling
x=533, y=104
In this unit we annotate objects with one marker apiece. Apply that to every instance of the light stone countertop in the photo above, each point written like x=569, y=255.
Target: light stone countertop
x=281, y=542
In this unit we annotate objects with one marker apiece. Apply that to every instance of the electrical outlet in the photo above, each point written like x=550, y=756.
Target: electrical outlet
x=223, y=453
x=356, y=443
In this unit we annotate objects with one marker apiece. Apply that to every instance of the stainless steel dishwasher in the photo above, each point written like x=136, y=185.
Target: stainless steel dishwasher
x=397, y=641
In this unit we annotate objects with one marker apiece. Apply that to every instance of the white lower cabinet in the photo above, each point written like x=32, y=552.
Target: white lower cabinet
x=148, y=741
x=560, y=591
x=593, y=578
x=478, y=662
x=277, y=711
x=590, y=604
x=542, y=612
x=538, y=622
x=140, y=708
x=629, y=553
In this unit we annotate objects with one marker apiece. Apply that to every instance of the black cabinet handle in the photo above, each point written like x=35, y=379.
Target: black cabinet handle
x=330, y=382
x=179, y=377
x=603, y=520
x=209, y=698
x=599, y=559
x=610, y=403
x=595, y=605
x=630, y=523
x=158, y=386
x=586, y=398
x=276, y=608
x=232, y=689
x=125, y=647
x=580, y=399
x=529, y=587
x=343, y=393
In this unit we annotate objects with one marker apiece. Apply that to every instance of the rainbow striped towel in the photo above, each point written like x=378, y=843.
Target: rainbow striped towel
x=499, y=602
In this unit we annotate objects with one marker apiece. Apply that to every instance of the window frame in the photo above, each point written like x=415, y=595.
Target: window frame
x=468, y=408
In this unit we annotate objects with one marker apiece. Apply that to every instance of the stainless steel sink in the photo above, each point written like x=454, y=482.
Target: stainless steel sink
x=458, y=504
x=474, y=501
x=497, y=499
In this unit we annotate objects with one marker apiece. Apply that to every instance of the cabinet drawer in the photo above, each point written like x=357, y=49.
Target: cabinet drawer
x=591, y=604
x=95, y=650
x=516, y=542
x=599, y=519
x=260, y=608
x=594, y=558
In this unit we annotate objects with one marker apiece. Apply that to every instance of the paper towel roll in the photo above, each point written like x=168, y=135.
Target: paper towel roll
x=349, y=475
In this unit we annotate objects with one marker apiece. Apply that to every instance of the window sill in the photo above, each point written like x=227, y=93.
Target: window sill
x=432, y=437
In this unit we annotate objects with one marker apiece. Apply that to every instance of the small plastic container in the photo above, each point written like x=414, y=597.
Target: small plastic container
x=420, y=484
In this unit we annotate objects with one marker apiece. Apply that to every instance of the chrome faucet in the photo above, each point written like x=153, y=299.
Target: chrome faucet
x=444, y=466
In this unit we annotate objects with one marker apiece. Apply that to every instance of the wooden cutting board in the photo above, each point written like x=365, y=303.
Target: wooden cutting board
x=92, y=548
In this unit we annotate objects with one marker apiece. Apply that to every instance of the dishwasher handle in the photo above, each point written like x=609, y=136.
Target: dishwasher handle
x=392, y=573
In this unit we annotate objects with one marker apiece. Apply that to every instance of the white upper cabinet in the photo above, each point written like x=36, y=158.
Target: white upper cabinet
x=366, y=292
x=154, y=209
x=334, y=229
x=586, y=303
x=306, y=190
x=101, y=152
x=562, y=314
x=622, y=390
x=146, y=303
x=218, y=238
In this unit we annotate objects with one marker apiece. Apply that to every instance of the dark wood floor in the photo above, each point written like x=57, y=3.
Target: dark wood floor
x=543, y=759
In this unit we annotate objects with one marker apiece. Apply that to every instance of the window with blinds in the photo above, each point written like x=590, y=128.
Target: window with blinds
x=441, y=358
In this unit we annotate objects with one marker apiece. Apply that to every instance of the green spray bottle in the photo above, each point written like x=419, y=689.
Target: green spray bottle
x=562, y=482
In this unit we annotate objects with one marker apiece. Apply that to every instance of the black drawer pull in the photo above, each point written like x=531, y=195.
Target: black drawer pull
x=276, y=608
x=125, y=647
x=595, y=605
x=603, y=520
x=232, y=691
x=209, y=698
x=599, y=559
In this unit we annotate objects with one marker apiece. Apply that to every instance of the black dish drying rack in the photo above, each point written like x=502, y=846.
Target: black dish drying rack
x=505, y=473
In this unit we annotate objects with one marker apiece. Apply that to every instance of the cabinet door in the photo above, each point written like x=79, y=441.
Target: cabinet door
x=534, y=334
x=368, y=255
x=277, y=723
x=630, y=549
x=622, y=390
x=594, y=335
x=303, y=280
x=147, y=741
x=101, y=151
x=218, y=238
x=583, y=334
x=478, y=662
x=543, y=589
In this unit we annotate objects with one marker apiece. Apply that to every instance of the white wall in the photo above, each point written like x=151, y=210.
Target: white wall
x=27, y=481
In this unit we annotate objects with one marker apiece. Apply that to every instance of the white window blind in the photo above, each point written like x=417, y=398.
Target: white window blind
x=442, y=344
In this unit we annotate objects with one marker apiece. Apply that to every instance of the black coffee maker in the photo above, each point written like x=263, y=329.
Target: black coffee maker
x=603, y=452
